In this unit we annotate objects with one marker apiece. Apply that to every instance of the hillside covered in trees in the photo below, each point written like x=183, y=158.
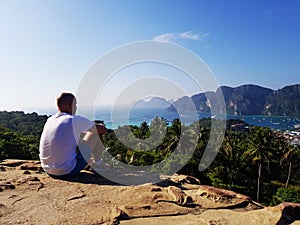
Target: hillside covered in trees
x=19, y=134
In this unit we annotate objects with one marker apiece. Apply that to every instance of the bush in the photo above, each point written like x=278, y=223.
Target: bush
x=14, y=145
x=286, y=195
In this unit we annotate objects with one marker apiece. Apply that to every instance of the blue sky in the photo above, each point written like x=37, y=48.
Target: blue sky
x=47, y=46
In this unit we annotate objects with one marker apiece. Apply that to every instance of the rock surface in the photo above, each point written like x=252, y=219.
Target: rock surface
x=29, y=196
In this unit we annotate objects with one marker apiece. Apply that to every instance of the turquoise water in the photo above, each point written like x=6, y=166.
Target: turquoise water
x=137, y=116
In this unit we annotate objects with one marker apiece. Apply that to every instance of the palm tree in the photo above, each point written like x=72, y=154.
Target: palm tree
x=293, y=151
x=230, y=148
x=172, y=137
x=203, y=137
x=260, y=149
x=188, y=139
x=158, y=129
x=143, y=131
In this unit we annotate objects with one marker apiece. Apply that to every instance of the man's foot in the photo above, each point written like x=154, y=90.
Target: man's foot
x=87, y=167
x=89, y=164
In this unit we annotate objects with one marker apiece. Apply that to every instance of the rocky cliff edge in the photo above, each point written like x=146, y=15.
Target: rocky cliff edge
x=29, y=196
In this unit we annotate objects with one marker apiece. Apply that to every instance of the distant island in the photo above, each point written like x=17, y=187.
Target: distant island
x=245, y=100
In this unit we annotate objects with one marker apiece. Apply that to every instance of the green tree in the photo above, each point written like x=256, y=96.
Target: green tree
x=172, y=137
x=292, y=152
x=231, y=152
x=260, y=149
x=18, y=146
x=143, y=131
x=158, y=128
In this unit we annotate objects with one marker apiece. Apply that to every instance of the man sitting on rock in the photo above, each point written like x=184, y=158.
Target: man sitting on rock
x=62, y=154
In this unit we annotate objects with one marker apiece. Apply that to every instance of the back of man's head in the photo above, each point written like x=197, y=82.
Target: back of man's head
x=65, y=102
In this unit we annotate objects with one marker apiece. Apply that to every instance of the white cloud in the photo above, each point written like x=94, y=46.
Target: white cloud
x=173, y=37
x=167, y=37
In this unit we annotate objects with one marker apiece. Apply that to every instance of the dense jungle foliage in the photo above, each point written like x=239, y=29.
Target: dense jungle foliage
x=253, y=161
x=19, y=134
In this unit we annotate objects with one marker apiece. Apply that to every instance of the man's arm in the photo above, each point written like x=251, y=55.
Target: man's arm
x=93, y=134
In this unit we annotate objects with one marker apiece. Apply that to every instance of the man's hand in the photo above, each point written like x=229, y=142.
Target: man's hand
x=101, y=129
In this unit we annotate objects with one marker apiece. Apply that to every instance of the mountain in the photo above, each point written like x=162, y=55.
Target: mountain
x=285, y=102
x=246, y=99
x=155, y=102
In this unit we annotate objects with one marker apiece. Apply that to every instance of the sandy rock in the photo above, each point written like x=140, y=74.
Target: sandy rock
x=184, y=179
x=92, y=199
x=290, y=213
x=12, y=162
x=6, y=185
x=36, y=166
x=223, y=198
x=26, y=172
x=179, y=196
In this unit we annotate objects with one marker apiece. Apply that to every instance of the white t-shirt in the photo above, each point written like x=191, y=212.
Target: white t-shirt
x=59, y=141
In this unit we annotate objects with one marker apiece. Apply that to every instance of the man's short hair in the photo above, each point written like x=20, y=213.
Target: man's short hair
x=64, y=98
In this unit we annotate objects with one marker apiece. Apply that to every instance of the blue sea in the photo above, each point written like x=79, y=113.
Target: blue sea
x=119, y=117
x=274, y=122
